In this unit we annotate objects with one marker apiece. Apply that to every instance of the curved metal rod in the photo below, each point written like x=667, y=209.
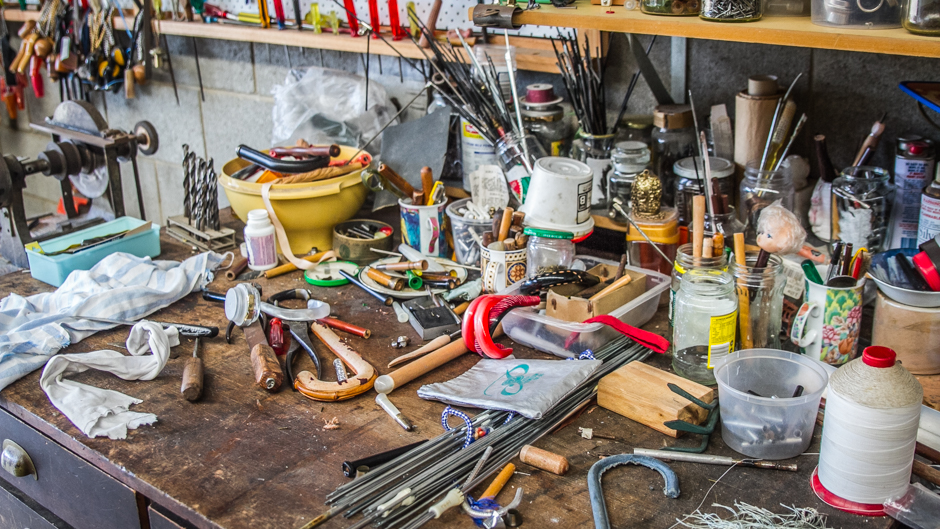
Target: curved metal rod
x=596, y=491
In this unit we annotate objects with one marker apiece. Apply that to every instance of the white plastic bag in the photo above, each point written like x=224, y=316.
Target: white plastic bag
x=326, y=106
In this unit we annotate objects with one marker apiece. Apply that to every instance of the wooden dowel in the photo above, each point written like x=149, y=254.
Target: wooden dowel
x=744, y=307
x=499, y=482
x=698, y=225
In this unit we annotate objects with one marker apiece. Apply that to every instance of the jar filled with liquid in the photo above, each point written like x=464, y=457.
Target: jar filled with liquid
x=706, y=317
x=629, y=159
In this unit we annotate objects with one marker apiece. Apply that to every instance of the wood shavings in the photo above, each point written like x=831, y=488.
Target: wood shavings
x=332, y=424
x=745, y=516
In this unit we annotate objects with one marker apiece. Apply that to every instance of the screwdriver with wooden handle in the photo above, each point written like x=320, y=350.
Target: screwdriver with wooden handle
x=192, y=376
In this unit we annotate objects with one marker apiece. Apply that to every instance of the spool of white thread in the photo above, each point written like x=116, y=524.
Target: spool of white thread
x=869, y=433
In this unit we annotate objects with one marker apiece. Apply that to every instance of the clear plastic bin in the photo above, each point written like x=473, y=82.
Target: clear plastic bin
x=467, y=233
x=773, y=425
x=917, y=508
x=566, y=339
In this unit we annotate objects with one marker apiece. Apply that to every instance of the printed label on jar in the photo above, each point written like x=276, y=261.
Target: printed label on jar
x=261, y=251
x=929, y=226
x=584, y=202
x=910, y=178
x=721, y=337
x=794, y=286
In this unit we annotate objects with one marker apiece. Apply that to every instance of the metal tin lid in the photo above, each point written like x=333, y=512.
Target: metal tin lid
x=673, y=117
x=548, y=234
x=565, y=167
x=686, y=167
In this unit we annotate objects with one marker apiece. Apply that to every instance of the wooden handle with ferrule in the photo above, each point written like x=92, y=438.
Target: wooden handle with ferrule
x=267, y=370
x=396, y=180
x=192, y=379
x=505, y=224
x=427, y=183
x=698, y=225
x=290, y=267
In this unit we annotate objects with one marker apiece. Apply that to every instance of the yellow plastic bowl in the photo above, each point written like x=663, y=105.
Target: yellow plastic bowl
x=307, y=211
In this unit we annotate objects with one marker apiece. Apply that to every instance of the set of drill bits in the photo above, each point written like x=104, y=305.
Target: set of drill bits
x=419, y=485
x=201, y=200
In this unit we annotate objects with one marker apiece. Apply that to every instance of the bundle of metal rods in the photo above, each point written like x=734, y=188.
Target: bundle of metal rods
x=583, y=76
x=473, y=92
x=400, y=493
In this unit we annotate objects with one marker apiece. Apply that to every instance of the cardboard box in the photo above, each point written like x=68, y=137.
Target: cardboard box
x=563, y=301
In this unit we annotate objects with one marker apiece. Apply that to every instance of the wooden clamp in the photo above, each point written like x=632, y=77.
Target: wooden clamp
x=359, y=382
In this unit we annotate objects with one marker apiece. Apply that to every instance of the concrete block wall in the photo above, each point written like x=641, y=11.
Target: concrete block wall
x=843, y=94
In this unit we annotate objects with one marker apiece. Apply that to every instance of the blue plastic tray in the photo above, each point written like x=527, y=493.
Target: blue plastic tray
x=53, y=269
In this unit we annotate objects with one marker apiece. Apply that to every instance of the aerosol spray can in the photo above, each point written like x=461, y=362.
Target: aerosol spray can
x=913, y=171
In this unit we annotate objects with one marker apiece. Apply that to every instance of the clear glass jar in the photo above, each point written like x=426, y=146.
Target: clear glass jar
x=548, y=251
x=670, y=7
x=664, y=232
x=706, y=316
x=759, y=189
x=861, y=14
x=672, y=139
x=690, y=181
x=594, y=150
x=548, y=125
x=760, y=302
x=861, y=207
x=635, y=128
x=629, y=159
x=512, y=154
x=732, y=10
x=725, y=223
x=684, y=263
x=921, y=17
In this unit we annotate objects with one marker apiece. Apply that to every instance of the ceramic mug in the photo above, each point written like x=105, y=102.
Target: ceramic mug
x=422, y=227
x=501, y=269
x=828, y=323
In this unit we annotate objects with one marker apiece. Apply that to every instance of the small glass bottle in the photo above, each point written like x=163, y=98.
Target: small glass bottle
x=594, y=150
x=548, y=251
x=928, y=226
x=629, y=159
x=862, y=198
x=663, y=231
x=761, y=289
x=670, y=7
x=732, y=10
x=690, y=181
x=725, y=223
x=706, y=317
x=921, y=17
x=684, y=263
x=759, y=189
x=515, y=158
x=544, y=117
x=672, y=139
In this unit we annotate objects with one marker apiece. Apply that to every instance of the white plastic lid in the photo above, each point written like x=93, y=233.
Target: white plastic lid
x=563, y=167
x=258, y=214
x=685, y=167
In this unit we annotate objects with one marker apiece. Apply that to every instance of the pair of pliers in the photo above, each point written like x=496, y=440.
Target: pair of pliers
x=298, y=330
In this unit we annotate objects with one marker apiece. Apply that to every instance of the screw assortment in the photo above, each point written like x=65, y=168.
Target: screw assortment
x=739, y=10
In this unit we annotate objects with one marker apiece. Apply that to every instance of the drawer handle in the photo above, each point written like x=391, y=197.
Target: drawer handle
x=16, y=461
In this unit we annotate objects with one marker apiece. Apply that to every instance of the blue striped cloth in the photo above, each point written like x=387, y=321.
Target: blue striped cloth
x=121, y=287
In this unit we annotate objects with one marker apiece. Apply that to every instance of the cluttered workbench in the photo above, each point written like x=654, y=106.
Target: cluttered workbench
x=242, y=457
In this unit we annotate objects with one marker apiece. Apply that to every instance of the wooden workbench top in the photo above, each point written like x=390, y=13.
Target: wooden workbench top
x=243, y=458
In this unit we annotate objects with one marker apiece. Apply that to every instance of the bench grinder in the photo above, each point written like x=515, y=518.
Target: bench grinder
x=82, y=143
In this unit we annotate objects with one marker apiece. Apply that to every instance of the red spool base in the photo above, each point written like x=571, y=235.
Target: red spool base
x=830, y=499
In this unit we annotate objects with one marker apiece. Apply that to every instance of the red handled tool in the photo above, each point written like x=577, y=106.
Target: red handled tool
x=351, y=17
x=398, y=32
x=279, y=13
x=374, y=18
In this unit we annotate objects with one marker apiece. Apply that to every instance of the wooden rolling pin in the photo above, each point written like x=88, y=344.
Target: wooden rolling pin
x=192, y=376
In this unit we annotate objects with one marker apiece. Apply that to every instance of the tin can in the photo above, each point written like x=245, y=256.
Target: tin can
x=913, y=171
x=474, y=151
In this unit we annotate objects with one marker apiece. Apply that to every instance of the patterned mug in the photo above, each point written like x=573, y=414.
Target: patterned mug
x=422, y=227
x=501, y=269
x=828, y=323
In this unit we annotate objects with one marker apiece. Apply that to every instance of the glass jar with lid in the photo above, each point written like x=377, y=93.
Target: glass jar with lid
x=759, y=321
x=921, y=17
x=684, y=263
x=727, y=224
x=759, y=189
x=635, y=128
x=732, y=10
x=690, y=181
x=706, y=317
x=862, y=198
x=670, y=7
x=663, y=230
x=629, y=159
x=672, y=139
x=544, y=117
x=548, y=251
x=594, y=150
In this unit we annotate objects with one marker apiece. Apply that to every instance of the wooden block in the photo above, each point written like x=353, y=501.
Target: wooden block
x=567, y=302
x=640, y=392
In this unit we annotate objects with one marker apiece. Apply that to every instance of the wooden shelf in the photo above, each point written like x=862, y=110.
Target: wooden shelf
x=532, y=54
x=784, y=31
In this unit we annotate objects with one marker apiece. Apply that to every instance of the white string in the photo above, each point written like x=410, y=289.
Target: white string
x=230, y=263
x=709, y=491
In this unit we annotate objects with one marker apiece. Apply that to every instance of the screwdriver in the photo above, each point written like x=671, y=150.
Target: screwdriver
x=192, y=376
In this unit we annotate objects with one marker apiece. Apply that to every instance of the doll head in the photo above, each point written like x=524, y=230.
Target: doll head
x=779, y=231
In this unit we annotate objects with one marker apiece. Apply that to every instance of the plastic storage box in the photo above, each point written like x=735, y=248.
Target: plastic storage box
x=772, y=424
x=568, y=340
x=53, y=269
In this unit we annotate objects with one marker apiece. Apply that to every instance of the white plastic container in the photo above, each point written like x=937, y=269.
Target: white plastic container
x=774, y=425
x=260, y=241
x=559, y=196
x=551, y=335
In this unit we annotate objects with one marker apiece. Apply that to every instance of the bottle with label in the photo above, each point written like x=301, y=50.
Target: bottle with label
x=706, y=317
x=475, y=151
x=929, y=225
x=913, y=170
x=259, y=239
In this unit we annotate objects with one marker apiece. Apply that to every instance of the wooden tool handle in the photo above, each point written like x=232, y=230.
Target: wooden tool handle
x=434, y=344
x=505, y=224
x=499, y=482
x=543, y=459
x=611, y=288
x=192, y=379
x=236, y=268
x=403, y=375
x=394, y=283
x=698, y=224
x=427, y=182
x=744, y=307
x=431, y=23
x=290, y=267
x=267, y=370
x=708, y=246
x=396, y=180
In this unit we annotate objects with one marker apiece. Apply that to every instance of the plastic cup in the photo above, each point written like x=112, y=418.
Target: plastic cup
x=467, y=233
x=774, y=425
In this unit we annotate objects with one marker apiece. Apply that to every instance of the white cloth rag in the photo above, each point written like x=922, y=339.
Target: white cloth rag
x=121, y=287
x=96, y=411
